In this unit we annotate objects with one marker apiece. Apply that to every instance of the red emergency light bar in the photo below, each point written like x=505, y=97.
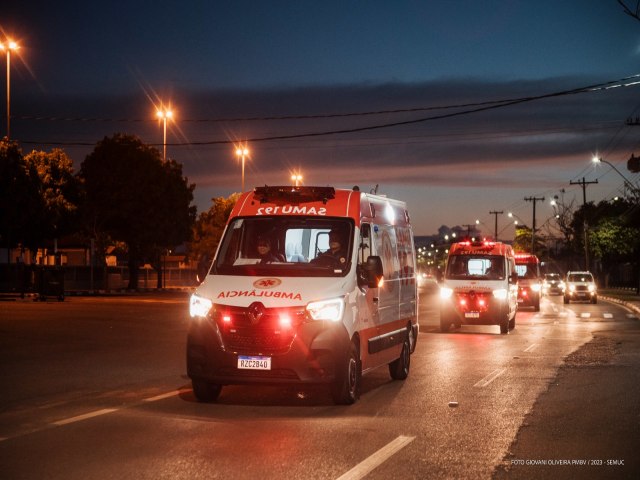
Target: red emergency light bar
x=291, y=194
x=526, y=256
x=484, y=243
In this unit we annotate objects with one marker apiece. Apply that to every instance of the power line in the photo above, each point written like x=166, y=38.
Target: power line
x=481, y=107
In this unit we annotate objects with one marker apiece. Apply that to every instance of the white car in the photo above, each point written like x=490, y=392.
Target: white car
x=580, y=286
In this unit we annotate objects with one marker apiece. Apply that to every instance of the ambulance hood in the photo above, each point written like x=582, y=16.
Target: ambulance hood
x=242, y=291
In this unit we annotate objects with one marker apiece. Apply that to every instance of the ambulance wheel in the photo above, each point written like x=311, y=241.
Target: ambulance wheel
x=536, y=306
x=504, y=326
x=399, y=368
x=594, y=300
x=566, y=300
x=445, y=323
x=346, y=389
x=512, y=322
x=206, y=391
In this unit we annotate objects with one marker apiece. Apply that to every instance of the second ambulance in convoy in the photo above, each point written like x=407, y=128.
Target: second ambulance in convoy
x=529, y=280
x=309, y=285
x=480, y=286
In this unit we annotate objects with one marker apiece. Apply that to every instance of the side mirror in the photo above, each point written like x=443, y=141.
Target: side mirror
x=514, y=278
x=374, y=271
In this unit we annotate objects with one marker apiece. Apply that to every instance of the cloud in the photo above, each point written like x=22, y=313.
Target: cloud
x=513, y=146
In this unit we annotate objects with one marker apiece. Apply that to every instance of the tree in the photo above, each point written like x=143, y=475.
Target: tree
x=21, y=205
x=135, y=197
x=58, y=188
x=209, y=227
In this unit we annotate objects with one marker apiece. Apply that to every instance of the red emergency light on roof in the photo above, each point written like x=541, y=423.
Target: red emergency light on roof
x=526, y=258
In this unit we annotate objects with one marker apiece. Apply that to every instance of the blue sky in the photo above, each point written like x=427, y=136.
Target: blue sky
x=103, y=70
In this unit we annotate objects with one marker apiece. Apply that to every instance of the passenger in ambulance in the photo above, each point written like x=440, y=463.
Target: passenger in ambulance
x=265, y=253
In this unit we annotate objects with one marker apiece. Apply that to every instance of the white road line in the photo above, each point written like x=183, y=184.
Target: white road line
x=86, y=416
x=607, y=315
x=531, y=347
x=363, y=468
x=490, y=378
x=585, y=315
x=164, y=395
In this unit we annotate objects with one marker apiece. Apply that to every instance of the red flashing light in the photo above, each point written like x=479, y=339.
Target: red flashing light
x=226, y=318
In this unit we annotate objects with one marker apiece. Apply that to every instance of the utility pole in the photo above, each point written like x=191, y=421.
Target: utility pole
x=468, y=229
x=585, y=226
x=533, y=227
x=495, y=236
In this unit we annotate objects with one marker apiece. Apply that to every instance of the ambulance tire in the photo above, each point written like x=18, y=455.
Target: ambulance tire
x=399, y=368
x=512, y=322
x=346, y=389
x=536, y=306
x=206, y=392
x=504, y=325
x=445, y=323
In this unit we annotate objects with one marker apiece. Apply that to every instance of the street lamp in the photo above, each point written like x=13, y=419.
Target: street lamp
x=8, y=46
x=297, y=178
x=241, y=152
x=164, y=114
x=627, y=183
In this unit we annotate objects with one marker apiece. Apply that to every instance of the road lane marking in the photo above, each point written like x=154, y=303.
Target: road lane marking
x=607, y=315
x=86, y=416
x=490, y=378
x=585, y=315
x=162, y=396
x=531, y=347
x=378, y=458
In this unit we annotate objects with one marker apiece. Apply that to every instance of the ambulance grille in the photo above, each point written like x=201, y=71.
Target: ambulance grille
x=256, y=329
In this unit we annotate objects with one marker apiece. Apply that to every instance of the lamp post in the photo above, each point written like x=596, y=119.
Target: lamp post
x=627, y=183
x=164, y=115
x=241, y=152
x=8, y=46
x=296, y=178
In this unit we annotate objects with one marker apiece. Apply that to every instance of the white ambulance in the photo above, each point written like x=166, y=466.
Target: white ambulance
x=480, y=286
x=333, y=298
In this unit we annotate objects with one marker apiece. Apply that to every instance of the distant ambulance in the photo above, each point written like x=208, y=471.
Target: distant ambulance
x=335, y=297
x=529, y=280
x=480, y=286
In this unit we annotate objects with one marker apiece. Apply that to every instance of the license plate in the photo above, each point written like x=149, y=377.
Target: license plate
x=254, y=363
x=472, y=315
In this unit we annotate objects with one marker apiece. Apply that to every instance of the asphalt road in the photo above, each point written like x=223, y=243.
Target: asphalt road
x=96, y=388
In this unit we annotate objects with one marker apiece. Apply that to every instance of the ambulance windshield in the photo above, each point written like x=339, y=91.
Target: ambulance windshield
x=476, y=267
x=286, y=246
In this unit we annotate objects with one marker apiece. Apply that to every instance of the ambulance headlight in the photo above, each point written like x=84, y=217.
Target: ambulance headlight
x=199, y=306
x=535, y=287
x=500, y=294
x=331, y=310
x=591, y=287
x=445, y=293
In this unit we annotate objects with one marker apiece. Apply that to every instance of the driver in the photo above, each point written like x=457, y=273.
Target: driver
x=337, y=251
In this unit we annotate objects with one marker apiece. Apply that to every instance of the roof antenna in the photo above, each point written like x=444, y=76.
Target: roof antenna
x=374, y=190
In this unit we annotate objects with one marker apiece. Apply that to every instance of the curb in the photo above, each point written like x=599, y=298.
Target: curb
x=630, y=305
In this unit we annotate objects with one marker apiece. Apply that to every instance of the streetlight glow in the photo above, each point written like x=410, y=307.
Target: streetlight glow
x=164, y=114
x=296, y=178
x=8, y=46
x=242, y=152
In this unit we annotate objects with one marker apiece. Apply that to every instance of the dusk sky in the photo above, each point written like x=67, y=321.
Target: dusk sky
x=348, y=93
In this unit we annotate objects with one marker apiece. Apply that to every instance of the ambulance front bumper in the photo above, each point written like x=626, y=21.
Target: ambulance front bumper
x=308, y=354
